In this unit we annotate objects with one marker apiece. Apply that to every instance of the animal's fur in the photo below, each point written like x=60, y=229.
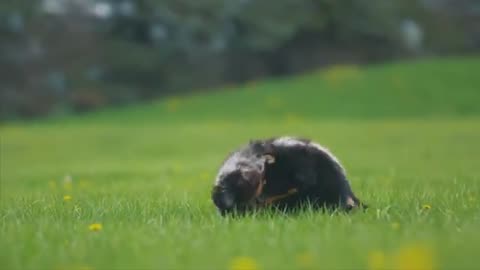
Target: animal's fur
x=267, y=171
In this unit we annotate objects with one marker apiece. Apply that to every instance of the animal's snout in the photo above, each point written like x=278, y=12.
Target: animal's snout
x=226, y=203
x=224, y=200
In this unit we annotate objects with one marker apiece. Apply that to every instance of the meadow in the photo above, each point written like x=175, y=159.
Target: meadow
x=129, y=188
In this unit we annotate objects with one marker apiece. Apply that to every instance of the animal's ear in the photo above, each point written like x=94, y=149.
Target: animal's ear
x=257, y=146
x=261, y=147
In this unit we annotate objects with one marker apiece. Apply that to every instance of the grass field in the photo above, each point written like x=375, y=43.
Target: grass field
x=407, y=133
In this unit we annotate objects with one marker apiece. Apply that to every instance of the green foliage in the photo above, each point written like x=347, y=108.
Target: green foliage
x=267, y=26
x=408, y=137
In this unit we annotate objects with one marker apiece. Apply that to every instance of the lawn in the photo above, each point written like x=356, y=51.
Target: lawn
x=407, y=133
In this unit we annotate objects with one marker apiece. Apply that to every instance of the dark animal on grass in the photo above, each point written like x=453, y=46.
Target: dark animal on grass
x=284, y=173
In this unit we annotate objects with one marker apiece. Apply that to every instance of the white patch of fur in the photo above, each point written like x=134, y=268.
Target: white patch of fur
x=247, y=159
x=326, y=151
x=232, y=164
x=287, y=141
x=291, y=141
x=228, y=166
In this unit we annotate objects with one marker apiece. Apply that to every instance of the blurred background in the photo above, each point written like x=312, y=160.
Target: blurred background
x=392, y=87
x=68, y=56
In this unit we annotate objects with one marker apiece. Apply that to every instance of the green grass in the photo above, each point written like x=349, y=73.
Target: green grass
x=407, y=133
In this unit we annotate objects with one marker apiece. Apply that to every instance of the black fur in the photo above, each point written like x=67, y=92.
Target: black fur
x=314, y=173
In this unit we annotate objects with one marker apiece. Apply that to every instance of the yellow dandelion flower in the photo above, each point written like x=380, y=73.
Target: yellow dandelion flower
x=397, y=82
x=414, y=257
x=376, y=260
x=68, y=182
x=291, y=119
x=274, y=103
x=83, y=184
x=253, y=83
x=177, y=168
x=205, y=176
x=67, y=186
x=95, y=227
x=341, y=73
x=173, y=104
x=305, y=260
x=74, y=267
x=85, y=267
x=67, y=198
x=52, y=184
x=243, y=263
x=426, y=207
x=395, y=225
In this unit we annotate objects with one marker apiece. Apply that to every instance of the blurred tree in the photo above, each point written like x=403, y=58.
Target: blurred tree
x=63, y=55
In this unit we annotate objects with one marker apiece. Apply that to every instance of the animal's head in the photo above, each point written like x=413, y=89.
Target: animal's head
x=238, y=189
